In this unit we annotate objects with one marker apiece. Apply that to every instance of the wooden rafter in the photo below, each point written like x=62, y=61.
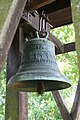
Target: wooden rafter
x=60, y=17
x=37, y=4
x=59, y=12
x=55, y=6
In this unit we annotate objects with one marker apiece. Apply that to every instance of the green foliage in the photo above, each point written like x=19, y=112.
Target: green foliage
x=43, y=107
x=65, y=33
x=4, y=9
x=2, y=92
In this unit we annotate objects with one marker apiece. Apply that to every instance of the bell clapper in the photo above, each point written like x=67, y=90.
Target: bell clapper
x=40, y=87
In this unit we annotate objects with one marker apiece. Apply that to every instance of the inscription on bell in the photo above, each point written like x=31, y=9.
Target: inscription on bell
x=39, y=57
x=38, y=51
x=36, y=46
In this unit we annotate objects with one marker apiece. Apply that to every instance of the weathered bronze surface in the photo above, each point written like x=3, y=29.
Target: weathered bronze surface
x=38, y=66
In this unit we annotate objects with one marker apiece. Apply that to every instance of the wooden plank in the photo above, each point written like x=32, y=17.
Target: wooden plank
x=69, y=47
x=61, y=105
x=37, y=4
x=56, y=19
x=12, y=97
x=23, y=106
x=60, y=17
x=9, y=28
x=59, y=12
x=23, y=98
x=55, y=6
x=30, y=22
x=57, y=42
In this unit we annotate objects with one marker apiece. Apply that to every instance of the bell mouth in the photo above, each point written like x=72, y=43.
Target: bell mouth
x=31, y=85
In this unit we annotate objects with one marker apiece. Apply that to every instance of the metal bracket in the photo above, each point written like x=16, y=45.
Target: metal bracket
x=38, y=22
x=35, y=22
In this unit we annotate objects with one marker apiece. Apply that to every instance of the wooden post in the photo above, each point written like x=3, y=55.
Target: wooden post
x=23, y=97
x=9, y=28
x=12, y=97
x=16, y=102
x=23, y=106
x=75, y=112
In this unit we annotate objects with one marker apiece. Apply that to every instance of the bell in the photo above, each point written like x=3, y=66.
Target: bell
x=38, y=71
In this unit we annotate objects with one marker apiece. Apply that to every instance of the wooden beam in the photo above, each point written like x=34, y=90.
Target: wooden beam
x=57, y=42
x=37, y=4
x=55, y=6
x=75, y=112
x=61, y=105
x=59, y=12
x=23, y=97
x=69, y=47
x=23, y=106
x=60, y=17
x=16, y=108
x=12, y=97
x=9, y=28
x=30, y=22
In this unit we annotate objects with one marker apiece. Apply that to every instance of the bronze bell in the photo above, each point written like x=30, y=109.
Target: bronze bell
x=38, y=71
